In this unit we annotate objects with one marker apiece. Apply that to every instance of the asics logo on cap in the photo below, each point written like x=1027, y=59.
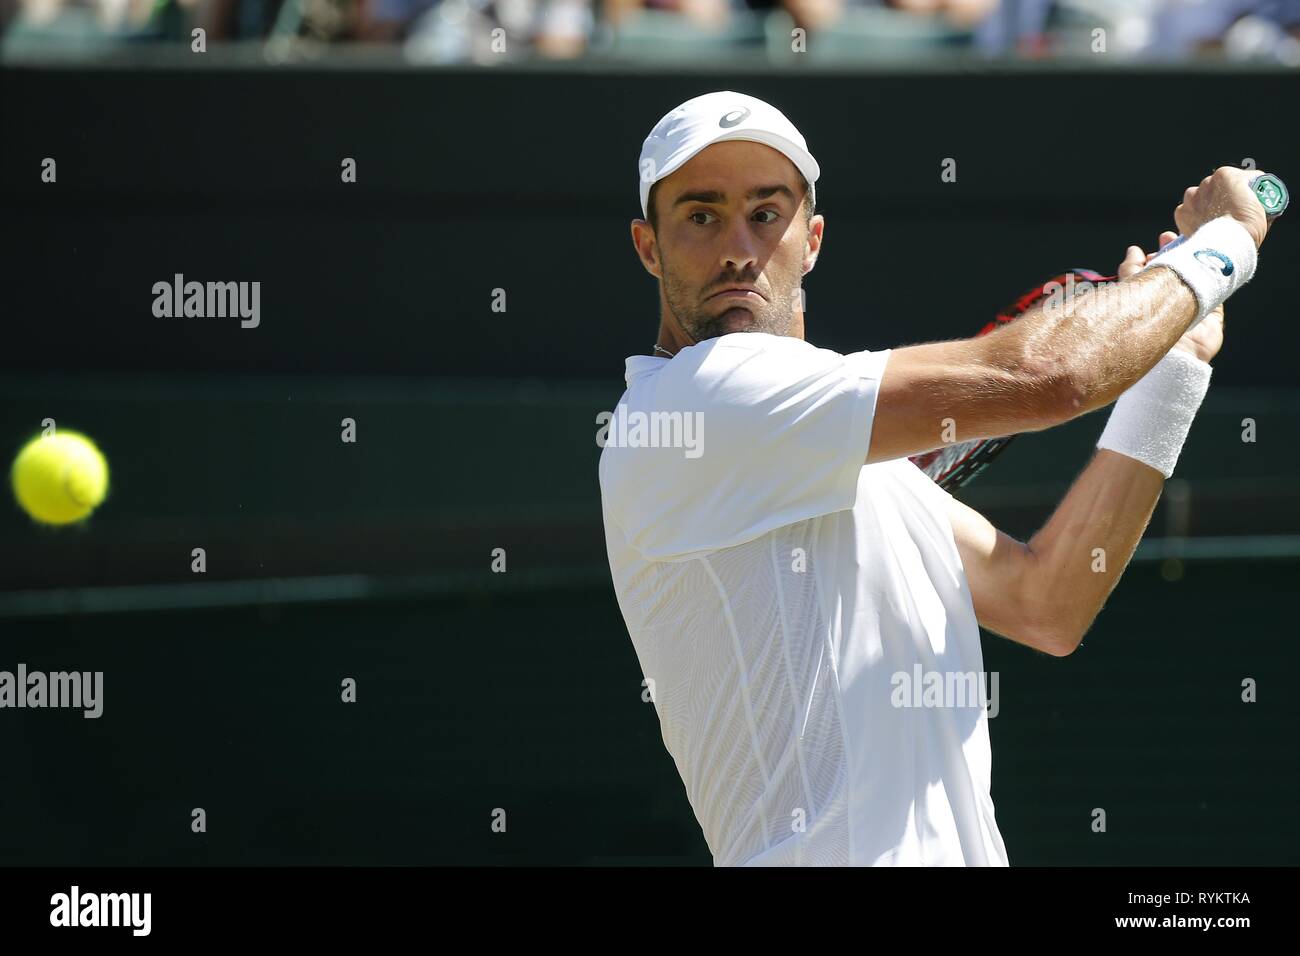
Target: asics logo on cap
x=734, y=118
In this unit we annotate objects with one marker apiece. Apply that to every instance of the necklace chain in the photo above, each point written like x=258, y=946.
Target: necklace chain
x=660, y=348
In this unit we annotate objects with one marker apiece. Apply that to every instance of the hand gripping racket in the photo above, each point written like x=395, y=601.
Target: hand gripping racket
x=956, y=464
x=1268, y=189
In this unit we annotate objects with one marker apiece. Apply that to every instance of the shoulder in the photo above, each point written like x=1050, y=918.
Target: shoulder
x=741, y=362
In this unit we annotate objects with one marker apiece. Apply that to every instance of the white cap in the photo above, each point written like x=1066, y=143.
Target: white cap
x=714, y=118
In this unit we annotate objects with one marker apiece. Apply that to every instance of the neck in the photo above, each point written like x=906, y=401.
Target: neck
x=670, y=340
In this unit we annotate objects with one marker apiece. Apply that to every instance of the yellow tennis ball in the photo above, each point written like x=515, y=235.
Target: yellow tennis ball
x=60, y=478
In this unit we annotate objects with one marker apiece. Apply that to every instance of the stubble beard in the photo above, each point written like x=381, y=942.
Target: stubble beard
x=773, y=317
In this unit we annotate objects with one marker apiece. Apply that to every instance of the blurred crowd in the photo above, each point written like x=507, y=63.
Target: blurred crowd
x=462, y=30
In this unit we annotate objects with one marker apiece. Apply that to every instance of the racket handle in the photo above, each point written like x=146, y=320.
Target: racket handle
x=1271, y=193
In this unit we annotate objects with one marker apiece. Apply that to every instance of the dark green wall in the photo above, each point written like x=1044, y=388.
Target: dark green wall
x=531, y=702
x=476, y=431
x=475, y=180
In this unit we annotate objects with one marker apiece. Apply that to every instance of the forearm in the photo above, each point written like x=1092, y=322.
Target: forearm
x=1098, y=344
x=1079, y=555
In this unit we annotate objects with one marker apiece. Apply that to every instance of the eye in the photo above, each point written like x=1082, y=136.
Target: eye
x=700, y=213
x=775, y=216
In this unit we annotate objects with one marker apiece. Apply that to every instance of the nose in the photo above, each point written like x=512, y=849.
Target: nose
x=740, y=248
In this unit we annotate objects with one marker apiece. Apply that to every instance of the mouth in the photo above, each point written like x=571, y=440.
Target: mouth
x=739, y=292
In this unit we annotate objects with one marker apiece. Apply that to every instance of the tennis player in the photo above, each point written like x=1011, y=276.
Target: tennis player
x=783, y=569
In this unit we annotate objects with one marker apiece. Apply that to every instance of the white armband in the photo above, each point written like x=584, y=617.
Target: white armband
x=1215, y=261
x=1151, y=420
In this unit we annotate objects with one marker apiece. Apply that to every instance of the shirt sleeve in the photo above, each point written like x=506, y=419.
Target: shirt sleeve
x=784, y=428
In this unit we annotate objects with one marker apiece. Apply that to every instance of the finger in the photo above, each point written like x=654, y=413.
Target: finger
x=1134, y=259
x=1163, y=240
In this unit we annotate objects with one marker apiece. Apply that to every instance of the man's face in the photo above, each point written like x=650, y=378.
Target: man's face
x=732, y=216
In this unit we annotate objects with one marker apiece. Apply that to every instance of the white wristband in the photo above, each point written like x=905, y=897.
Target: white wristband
x=1151, y=420
x=1215, y=261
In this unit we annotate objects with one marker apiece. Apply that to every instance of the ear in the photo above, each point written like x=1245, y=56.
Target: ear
x=647, y=247
x=813, y=244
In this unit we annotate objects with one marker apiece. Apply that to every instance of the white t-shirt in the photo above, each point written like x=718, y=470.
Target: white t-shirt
x=804, y=619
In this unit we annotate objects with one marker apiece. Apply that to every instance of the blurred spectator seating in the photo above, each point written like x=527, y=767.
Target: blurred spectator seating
x=672, y=31
x=684, y=30
x=868, y=34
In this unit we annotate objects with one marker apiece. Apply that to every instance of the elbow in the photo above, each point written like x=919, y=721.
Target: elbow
x=1059, y=388
x=1053, y=619
x=1051, y=632
x=1062, y=639
x=1062, y=645
x=1047, y=385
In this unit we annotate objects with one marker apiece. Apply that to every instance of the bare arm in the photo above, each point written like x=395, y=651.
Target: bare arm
x=1049, y=366
x=1054, y=363
x=1047, y=592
